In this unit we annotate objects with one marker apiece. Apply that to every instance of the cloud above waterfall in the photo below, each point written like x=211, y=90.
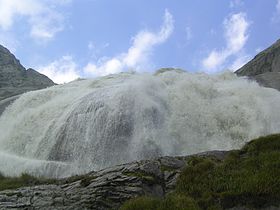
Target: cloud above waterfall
x=61, y=71
x=66, y=69
x=42, y=17
x=139, y=53
x=139, y=36
x=236, y=35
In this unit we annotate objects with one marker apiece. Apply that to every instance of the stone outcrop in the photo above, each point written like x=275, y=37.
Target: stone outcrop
x=15, y=79
x=108, y=188
x=265, y=67
x=105, y=189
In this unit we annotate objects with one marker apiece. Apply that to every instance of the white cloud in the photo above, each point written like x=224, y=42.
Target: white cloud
x=61, y=71
x=10, y=8
x=65, y=69
x=46, y=25
x=276, y=15
x=236, y=35
x=45, y=22
x=236, y=3
x=137, y=55
x=236, y=32
x=111, y=66
x=214, y=59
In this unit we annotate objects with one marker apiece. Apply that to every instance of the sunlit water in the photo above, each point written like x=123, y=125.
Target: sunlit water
x=91, y=124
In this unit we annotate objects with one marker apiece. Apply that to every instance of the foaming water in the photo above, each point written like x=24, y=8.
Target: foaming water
x=91, y=124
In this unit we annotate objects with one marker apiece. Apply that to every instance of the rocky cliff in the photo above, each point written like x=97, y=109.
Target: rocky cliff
x=15, y=79
x=265, y=67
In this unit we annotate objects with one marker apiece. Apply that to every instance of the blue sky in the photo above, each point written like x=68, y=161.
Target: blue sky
x=67, y=39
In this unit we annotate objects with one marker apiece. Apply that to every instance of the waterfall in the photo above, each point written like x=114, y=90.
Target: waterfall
x=95, y=123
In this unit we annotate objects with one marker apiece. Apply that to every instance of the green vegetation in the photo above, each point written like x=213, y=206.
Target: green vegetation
x=23, y=180
x=166, y=168
x=176, y=202
x=247, y=177
x=26, y=180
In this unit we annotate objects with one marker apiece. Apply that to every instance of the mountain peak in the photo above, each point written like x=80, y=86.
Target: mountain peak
x=8, y=61
x=15, y=79
x=265, y=67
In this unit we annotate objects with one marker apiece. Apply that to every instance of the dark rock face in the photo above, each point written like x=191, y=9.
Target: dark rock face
x=15, y=79
x=265, y=67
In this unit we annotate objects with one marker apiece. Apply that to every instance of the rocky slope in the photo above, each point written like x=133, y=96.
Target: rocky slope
x=105, y=189
x=265, y=67
x=15, y=79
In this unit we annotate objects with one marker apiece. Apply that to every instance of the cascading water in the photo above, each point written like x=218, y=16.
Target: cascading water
x=91, y=124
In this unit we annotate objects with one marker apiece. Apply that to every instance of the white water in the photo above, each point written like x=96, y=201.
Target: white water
x=91, y=124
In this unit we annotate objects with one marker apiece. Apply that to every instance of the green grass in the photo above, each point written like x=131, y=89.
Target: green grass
x=247, y=177
x=174, y=202
x=23, y=180
x=26, y=180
